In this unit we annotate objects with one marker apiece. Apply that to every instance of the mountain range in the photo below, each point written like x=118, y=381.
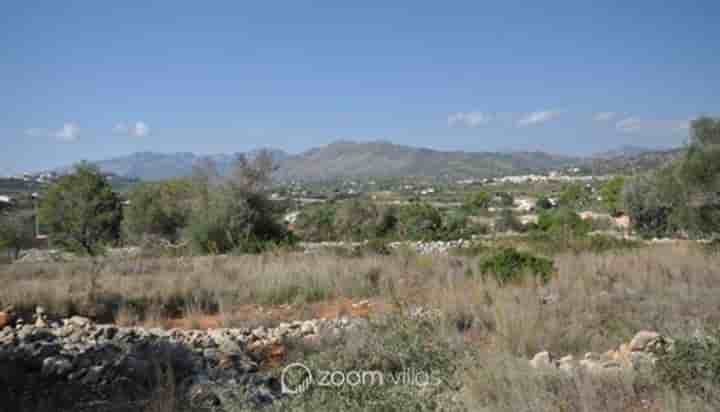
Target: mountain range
x=347, y=159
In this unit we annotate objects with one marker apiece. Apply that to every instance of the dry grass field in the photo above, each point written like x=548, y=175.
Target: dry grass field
x=593, y=302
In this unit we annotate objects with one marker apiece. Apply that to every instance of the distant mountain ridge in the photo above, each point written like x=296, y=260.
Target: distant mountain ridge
x=347, y=159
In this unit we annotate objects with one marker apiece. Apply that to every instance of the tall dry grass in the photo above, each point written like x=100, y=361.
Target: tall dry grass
x=593, y=303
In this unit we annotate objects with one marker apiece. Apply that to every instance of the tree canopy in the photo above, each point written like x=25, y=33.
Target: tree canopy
x=82, y=212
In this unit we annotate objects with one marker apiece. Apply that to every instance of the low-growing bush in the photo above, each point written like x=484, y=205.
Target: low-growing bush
x=693, y=365
x=401, y=365
x=511, y=265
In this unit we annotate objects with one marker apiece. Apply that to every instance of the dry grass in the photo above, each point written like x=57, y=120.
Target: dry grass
x=597, y=300
x=594, y=303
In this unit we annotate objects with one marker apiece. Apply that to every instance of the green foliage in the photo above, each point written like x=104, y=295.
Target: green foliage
x=416, y=363
x=611, y=193
x=504, y=199
x=683, y=197
x=563, y=222
x=82, y=212
x=159, y=209
x=236, y=216
x=693, y=365
x=16, y=232
x=357, y=220
x=235, y=221
x=510, y=265
x=317, y=223
x=652, y=202
x=419, y=221
x=573, y=196
x=477, y=201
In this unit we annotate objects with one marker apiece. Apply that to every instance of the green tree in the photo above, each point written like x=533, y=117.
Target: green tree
x=82, y=212
x=573, y=196
x=563, y=222
x=611, y=194
x=478, y=200
x=16, y=233
x=239, y=215
x=159, y=209
x=419, y=221
x=357, y=220
x=699, y=172
x=317, y=223
x=652, y=202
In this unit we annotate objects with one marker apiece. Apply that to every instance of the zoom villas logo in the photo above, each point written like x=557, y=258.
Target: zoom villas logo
x=297, y=378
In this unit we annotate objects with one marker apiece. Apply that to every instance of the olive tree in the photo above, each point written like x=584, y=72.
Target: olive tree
x=81, y=211
x=159, y=209
x=16, y=232
x=238, y=214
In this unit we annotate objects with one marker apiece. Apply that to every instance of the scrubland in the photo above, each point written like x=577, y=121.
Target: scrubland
x=479, y=342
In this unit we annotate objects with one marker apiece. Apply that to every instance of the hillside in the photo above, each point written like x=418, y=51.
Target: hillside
x=635, y=163
x=346, y=159
x=158, y=166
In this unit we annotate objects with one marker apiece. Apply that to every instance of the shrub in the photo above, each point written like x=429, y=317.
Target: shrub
x=563, y=222
x=477, y=201
x=419, y=221
x=510, y=265
x=412, y=352
x=611, y=193
x=236, y=221
x=317, y=223
x=693, y=365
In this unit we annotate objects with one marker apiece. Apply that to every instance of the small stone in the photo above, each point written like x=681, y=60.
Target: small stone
x=541, y=360
x=363, y=304
x=78, y=321
x=307, y=328
x=56, y=366
x=40, y=322
x=642, y=339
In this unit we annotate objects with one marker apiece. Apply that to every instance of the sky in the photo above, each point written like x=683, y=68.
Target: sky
x=87, y=80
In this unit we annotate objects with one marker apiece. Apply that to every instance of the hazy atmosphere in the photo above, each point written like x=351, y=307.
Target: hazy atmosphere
x=84, y=80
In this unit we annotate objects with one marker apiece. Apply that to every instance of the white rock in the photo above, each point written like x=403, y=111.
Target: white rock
x=541, y=360
x=642, y=339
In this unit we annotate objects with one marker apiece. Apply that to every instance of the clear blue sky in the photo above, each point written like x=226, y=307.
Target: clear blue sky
x=84, y=80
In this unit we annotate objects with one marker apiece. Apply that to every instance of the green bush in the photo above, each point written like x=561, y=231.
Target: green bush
x=563, y=222
x=395, y=348
x=419, y=221
x=236, y=221
x=159, y=209
x=693, y=365
x=510, y=265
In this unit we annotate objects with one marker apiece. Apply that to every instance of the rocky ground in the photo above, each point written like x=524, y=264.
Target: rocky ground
x=76, y=365
x=640, y=352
